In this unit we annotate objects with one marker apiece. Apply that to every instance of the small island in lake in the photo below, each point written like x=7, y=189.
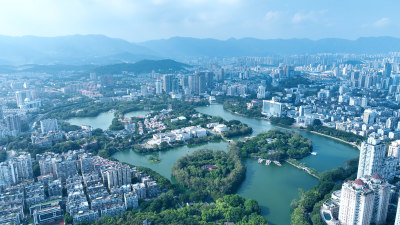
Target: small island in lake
x=215, y=172
x=275, y=145
x=154, y=159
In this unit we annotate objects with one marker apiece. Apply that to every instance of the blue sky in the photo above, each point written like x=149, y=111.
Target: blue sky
x=141, y=20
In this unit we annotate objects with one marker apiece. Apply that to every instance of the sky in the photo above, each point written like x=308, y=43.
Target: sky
x=142, y=20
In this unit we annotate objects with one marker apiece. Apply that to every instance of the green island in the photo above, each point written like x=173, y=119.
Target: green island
x=235, y=128
x=275, y=145
x=154, y=159
x=215, y=172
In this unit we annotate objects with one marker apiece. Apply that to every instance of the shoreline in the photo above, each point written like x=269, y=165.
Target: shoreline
x=335, y=138
x=305, y=169
x=297, y=128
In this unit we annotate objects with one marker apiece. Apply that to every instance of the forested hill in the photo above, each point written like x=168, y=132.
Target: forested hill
x=144, y=66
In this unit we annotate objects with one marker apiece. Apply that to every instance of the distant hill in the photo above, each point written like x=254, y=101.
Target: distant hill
x=102, y=50
x=179, y=47
x=74, y=49
x=144, y=66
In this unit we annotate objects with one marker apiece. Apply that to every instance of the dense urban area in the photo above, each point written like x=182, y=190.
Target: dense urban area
x=57, y=166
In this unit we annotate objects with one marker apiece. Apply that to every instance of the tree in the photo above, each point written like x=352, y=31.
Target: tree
x=68, y=218
x=251, y=206
x=317, y=122
x=299, y=217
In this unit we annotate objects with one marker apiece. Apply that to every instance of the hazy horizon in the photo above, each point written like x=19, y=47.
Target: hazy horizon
x=139, y=21
x=201, y=38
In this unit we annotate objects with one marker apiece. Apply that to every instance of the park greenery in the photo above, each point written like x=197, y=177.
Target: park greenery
x=239, y=106
x=90, y=108
x=154, y=159
x=236, y=128
x=287, y=121
x=275, y=145
x=343, y=135
x=116, y=125
x=229, y=208
x=227, y=176
x=305, y=211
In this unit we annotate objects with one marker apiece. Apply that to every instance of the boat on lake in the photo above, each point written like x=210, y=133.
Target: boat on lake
x=277, y=163
x=267, y=162
x=313, y=153
x=260, y=160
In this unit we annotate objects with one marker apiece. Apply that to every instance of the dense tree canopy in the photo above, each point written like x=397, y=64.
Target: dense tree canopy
x=311, y=201
x=343, y=135
x=276, y=145
x=229, y=208
x=224, y=179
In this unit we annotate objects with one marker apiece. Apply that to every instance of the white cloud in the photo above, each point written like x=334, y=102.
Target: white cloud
x=139, y=20
x=383, y=22
x=272, y=16
x=304, y=17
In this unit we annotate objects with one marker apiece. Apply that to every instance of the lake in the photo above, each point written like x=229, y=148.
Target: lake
x=272, y=186
x=103, y=120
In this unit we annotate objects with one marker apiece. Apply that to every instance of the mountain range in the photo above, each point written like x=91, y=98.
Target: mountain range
x=101, y=50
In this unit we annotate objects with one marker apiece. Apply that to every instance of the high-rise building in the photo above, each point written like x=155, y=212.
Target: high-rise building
x=1, y=113
x=364, y=102
x=7, y=175
x=158, y=87
x=107, y=80
x=22, y=167
x=21, y=96
x=143, y=90
x=387, y=70
x=167, y=83
x=261, y=92
x=394, y=149
x=210, y=79
x=364, y=201
x=46, y=165
x=175, y=85
x=356, y=203
x=202, y=82
x=372, y=157
x=391, y=123
x=221, y=75
x=382, y=191
x=93, y=76
x=48, y=125
x=86, y=164
x=289, y=71
x=397, y=220
x=369, y=116
x=118, y=176
x=13, y=123
x=272, y=108
x=184, y=82
x=65, y=169
x=193, y=82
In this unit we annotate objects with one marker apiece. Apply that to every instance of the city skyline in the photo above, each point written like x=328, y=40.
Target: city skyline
x=138, y=21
